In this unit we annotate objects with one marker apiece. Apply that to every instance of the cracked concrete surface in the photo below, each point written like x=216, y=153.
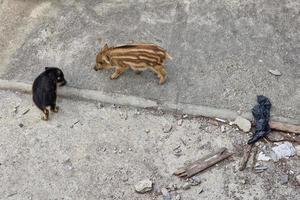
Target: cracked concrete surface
x=222, y=50
x=88, y=151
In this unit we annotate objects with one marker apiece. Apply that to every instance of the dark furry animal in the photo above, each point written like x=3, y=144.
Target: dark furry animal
x=44, y=90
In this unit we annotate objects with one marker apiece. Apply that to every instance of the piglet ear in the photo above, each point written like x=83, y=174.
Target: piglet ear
x=105, y=47
x=46, y=68
x=58, y=72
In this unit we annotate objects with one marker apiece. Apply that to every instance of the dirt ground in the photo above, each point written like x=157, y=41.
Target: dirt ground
x=94, y=151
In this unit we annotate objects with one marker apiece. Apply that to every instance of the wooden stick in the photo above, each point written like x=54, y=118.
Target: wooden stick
x=285, y=138
x=284, y=127
x=254, y=157
x=245, y=158
x=203, y=163
x=193, y=164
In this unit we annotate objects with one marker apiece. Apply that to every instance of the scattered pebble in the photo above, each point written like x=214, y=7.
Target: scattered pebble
x=179, y=122
x=177, y=197
x=24, y=113
x=298, y=179
x=244, y=181
x=184, y=116
x=186, y=186
x=275, y=72
x=100, y=105
x=284, y=179
x=223, y=129
x=147, y=131
x=143, y=186
x=260, y=169
x=201, y=190
x=167, y=128
x=297, y=148
x=243, y=124
x=178, y=153
x=263, y=157
x=196, y=180
x=172, y=187
x=16, y=109
x=123, y=115
x=166, y=194
x=72, y=126
x=213, y=122
x=137, y=112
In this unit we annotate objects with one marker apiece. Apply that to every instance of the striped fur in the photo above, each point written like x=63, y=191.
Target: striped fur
x=138, y=57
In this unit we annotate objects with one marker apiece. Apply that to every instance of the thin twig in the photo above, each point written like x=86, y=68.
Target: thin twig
x=254, y=157
x=245, y=158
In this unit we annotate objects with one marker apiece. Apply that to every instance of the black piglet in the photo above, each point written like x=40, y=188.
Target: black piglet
x=44, y=90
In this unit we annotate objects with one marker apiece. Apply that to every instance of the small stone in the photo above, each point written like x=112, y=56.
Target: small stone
x=260, y=169
x=243, y=124
x=147, y=131
x=129, y=149
x=298, y=179
x=100, y=105
x=263, y=157
x=120, y=151
x=178, y=154
x=284, y=179
x=196, y=180
x=137, y=112
x=177, y=197
x=213, y=122
x=124, y=179
x=143, y=186
x=275, y=72
x=172, y=187
x=166, y=194
x=201, y=190
x=21, y=125
x=104, y=149
x=223, y=129
x=184, y=116
x=179, y=122
x=123, y=115
x=297, y=150
x=16, y=109
x=244, y=181
x=167, y=128
x=186, y=186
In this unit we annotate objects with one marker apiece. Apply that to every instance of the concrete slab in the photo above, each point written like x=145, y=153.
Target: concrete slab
x=87, y=151
x=222, y=50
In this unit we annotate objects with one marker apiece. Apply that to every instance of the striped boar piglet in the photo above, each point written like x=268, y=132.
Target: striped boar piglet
x=138, y=57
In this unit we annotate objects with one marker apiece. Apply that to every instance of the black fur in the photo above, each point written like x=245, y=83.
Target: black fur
x=44, y=89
